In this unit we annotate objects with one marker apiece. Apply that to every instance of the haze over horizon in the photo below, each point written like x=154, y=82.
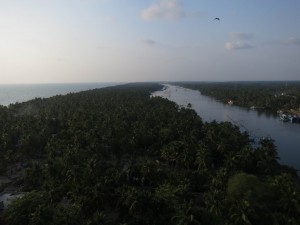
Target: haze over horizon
x=71, y=41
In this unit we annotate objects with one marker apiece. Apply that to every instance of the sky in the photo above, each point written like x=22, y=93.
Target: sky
x=66, y=41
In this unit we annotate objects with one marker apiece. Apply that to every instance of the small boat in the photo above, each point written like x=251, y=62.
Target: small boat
x=295, y=119
x=289, y=118
x=284, y=117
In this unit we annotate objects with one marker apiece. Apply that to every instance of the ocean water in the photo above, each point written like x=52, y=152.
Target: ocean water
x=12, y=93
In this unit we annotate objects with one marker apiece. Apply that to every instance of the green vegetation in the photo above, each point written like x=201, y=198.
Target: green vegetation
x=116, y=156
x=272, y=96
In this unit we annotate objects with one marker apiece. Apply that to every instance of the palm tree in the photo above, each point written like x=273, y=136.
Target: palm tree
x=204, y=159
x=239, y=213
x=186, y=215
x=214, y=202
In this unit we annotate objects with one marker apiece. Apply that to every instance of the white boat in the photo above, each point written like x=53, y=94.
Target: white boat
x=284, y=117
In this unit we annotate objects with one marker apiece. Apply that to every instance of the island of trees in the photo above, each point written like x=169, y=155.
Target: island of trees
x=272, y=96
x=118, y=156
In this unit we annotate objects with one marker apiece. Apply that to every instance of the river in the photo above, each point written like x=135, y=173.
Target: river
x=259, y=124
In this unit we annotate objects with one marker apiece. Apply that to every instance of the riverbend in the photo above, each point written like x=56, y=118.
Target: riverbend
x=257, y=123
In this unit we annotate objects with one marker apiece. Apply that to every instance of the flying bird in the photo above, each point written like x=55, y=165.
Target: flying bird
x=217, y=18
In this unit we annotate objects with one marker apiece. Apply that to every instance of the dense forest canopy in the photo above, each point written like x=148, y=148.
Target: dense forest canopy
x=118, y=156
x=271, y=95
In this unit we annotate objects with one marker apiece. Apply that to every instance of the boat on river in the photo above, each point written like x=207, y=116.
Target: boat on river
x=284, y=117
x=295, y=119
x=289, y=118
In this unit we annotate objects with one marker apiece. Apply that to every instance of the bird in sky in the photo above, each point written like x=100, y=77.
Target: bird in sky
x=217, y=18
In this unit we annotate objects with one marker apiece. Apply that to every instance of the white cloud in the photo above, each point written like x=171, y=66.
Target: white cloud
x=164, y=10
x=240, y=36
x=238, y=41
x=237, y=45
x=292, y=41
x=148, y=42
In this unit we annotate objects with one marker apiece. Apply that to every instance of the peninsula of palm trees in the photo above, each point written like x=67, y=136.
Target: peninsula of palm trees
x=116, y=156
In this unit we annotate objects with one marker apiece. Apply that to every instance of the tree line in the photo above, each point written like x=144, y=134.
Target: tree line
x=273, y=96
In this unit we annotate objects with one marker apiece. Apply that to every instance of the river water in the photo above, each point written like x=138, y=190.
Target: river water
x=259, y=124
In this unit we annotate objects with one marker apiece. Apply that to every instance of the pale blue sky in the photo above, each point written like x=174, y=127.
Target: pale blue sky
x=54, y=41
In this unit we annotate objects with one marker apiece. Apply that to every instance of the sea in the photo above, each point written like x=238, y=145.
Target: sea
x=12, y=93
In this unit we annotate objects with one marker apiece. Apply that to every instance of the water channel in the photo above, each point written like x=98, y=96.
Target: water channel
x=259, y=124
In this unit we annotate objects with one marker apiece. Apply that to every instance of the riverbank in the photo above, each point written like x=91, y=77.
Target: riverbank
x=256, y=122
x=268, y=96
x=295, y=112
